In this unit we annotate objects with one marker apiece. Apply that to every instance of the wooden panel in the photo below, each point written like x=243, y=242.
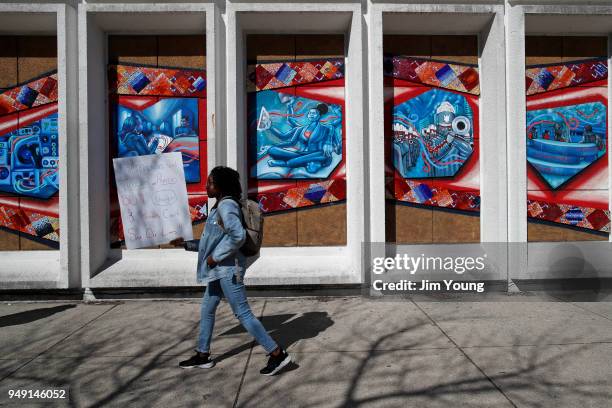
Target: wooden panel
x=411, y=45
x=133, y=49
x=544, y=233
x=280, y=229
x=543, y=50
x=8, y=61
x=198, y=229
x=575, y=235
x=322, y=226
x=9, y=241
x=319, y=46
x=264, y=47
x=539, y=232
x=575, y=48
x=456, y=48
x=184, y=51
x=409, y=225
x=26, y=243
x=36, y=55
x=455, y=227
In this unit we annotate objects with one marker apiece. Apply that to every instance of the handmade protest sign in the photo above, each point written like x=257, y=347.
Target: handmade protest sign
x=153, y=199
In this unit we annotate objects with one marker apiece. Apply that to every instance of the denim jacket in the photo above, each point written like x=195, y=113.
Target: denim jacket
x=222, y=238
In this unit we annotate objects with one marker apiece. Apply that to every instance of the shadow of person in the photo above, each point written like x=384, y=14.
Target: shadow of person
x=31, y=315
x=285, y=330
x=580, y=278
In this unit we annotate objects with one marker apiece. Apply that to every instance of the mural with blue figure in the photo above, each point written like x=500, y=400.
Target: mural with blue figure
x=170, y=125
x=563, y=141
x=295, y=137
x=433, y=134
x=29, y=159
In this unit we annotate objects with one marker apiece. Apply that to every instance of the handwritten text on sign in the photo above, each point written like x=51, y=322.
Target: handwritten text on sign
x=153, y=199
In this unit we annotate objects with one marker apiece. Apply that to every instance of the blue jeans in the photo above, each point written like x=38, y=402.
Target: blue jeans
x=236, y=296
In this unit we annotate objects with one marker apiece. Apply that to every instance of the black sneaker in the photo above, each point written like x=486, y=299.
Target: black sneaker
x=200, y=360
x=276, y=363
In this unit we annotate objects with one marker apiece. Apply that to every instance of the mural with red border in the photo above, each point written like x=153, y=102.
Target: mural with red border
x=567, y=157
x=29, y=159
x=296, y=134
x=157, y=110
x=432, y=133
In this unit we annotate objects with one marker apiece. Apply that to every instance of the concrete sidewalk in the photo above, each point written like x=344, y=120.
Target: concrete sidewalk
x=518, y=351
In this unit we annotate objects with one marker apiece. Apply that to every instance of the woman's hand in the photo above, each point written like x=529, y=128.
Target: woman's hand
x=177, y=242
x=211, y=262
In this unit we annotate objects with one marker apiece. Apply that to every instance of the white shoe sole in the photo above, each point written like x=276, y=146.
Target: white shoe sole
x=283, y=363
x=207, y=365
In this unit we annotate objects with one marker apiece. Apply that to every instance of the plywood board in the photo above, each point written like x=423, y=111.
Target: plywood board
x=185, y=51
x=8, y=61
x=132, y=49
x=280, y=229
x=36, y=55
x=456, y=48
x=451, y=227
x=264, y=47
x=408, y=224
x=324, y=226
x=319, y=46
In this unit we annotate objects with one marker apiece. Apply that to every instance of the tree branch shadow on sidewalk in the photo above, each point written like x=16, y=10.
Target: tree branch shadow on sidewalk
x=381, y=374
x=30, y=316
x=534, y=375
x=525, y=378
x=284, y=330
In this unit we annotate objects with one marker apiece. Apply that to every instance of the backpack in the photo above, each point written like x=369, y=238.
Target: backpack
x=252, y=221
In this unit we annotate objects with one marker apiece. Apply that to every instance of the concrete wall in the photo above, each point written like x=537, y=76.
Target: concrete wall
x=85, y=258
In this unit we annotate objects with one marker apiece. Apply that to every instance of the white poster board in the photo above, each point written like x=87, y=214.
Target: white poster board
x=153, y=199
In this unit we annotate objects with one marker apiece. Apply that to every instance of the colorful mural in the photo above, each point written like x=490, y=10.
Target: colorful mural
x=165, y=126
x=296, y=137
x=156, y=111
x=433, y=133
x=29, y=159
x=296, y=134
x=567, y=144
x=439, y=74
x=563, y=141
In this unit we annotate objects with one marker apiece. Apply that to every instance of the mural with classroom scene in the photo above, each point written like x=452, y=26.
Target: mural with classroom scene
x=157, y=109
x=567, y=138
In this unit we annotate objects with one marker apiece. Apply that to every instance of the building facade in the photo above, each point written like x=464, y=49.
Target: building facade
x=404, y=123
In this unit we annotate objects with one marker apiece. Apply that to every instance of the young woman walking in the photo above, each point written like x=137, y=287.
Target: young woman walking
x=221, y=266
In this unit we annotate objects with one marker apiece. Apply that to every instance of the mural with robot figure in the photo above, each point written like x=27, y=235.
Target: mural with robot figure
x=432, y=135
x=29, y=160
